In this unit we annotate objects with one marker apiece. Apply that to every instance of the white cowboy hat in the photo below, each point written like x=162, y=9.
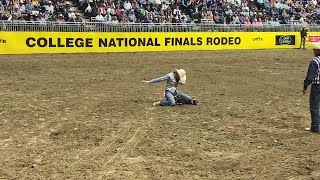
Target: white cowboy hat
x=182, y=74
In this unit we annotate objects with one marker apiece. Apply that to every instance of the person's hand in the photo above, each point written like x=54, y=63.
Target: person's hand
x=145, y=82
x=304, y=91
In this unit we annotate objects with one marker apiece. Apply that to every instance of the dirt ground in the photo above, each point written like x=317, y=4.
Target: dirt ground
x=88, y=116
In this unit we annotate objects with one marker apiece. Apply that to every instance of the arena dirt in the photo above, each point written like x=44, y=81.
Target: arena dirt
x=88, y=116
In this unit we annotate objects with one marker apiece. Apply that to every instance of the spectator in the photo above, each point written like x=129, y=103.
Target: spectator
x=127, y=6
x=247, y=22
x=78, y=18
x=118, y=9
x=267, y=6
x=88, y=10
x=35, y=3
x=132, y=16
x=2, y=16
x=71, y=17
x=271, y=22
x=50, y=8
x=17, y=11
x=108, y=18
x=60, y=19
x=236, y=19
x=99, y=17
x=33, y=18
x=276, y=23
x=260, y=4
x=29, y=7
x=114, y=20
x=67, y=7
x=260, y=23
x=102, y=10
x=47, y=16
x=22, y=8
x=41, y=18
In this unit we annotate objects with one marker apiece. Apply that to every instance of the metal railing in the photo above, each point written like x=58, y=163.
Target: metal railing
x=144, y=27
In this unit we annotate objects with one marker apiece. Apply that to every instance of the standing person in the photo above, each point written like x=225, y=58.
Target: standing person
x=172, y=96
x=313, y=78
x=303, y=34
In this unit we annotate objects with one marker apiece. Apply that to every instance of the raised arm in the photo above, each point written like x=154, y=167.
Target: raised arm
x=159, y=79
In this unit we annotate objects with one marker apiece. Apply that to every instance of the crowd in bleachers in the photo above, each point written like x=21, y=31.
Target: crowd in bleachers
x=247, y=12
x=37, y=10
x=259, y=12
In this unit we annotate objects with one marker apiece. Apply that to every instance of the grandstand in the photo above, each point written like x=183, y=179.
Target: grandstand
x=236, y=12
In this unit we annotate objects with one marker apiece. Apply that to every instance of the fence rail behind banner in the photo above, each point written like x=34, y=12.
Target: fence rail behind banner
x=143, y=27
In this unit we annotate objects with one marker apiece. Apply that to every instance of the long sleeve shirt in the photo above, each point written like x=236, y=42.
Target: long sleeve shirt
x=171, y=85
x=303, y=33
x=313, y=75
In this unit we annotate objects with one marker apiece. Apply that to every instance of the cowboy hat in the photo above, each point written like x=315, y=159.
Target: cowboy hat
x=182, y=74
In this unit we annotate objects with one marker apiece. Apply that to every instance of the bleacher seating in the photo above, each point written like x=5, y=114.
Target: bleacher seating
x=164, y=11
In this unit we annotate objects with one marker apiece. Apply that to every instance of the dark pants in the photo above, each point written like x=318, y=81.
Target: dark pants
x=303, y=42
x=315, y=107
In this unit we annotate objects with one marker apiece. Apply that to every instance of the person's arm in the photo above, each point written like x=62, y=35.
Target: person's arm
x=310, y=75
x=159, y=79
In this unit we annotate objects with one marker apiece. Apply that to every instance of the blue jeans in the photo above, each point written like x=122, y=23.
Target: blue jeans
x=315, y=107
x=171, y=99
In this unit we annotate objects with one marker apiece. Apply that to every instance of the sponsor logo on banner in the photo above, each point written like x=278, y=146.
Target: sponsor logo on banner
x=3, y=41
x=285, y=40
x=314, y=39
x=259, y=39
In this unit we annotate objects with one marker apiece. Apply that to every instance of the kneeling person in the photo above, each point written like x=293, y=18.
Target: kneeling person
x=172, y=96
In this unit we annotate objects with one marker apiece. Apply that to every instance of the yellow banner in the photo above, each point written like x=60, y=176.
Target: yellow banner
x=83, y=42
x=313, y=39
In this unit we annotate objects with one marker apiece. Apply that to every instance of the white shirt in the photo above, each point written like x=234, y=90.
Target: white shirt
x=108, y=10
x=71, y=15
x=157, y=2
x=164, y=6
x=176, y=12
x=100, y=18
x=185, y=17
x=22, y=8
x=50, y=9
x=115, y=22
x=108, y=18
x=172, y=83
x=127, y=5
x=314, y=2
x=88, y=9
